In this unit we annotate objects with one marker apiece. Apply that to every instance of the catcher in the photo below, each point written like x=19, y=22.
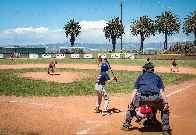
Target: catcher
x=100, y=91
x=51, y=66
x=148, y=90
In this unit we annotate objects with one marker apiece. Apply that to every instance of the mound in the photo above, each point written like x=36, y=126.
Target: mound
x=60, y=77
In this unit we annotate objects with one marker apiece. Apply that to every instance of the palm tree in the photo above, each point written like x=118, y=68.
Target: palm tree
x=113, y=30
x=144, y=27
x=73, y=29
x=167, y=24
x=190, y=25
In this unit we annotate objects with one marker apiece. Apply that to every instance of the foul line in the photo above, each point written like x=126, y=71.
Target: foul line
x=15, y=101
x=180, y=90
x=91, y=128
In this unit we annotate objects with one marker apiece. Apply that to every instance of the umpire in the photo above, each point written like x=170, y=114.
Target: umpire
x=148, y=90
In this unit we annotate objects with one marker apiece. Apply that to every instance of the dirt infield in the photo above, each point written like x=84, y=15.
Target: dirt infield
x=60, y=77
x=74, y=114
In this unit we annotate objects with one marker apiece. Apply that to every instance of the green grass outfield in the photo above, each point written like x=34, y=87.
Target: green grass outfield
x=13, y=85
x=181, y=63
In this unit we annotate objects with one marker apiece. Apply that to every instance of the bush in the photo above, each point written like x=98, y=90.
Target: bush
x=182, y=48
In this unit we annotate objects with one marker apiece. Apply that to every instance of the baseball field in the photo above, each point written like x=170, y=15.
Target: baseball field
x=35, y=103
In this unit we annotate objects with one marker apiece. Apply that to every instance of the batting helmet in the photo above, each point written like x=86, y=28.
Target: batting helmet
x=104, y=67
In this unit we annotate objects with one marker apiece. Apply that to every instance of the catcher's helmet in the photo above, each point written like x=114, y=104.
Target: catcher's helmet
x=104, y=67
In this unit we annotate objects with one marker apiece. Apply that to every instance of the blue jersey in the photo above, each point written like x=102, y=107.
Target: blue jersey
x=149, y=83
x=103, y=76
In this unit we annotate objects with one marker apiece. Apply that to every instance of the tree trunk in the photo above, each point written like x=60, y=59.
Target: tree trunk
x=142, y=42
x=113, y=43
x=72, y=40
x=195, y=38
x=165, y=43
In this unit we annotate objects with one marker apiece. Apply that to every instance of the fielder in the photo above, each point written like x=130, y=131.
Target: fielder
x=11, y=57
x=51, y=66
x=148, y=90
x=99, y=60
x=174, y=65
x=100, y=91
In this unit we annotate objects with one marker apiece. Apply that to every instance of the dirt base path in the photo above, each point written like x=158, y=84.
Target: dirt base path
x=94, y=66
x=74, y=114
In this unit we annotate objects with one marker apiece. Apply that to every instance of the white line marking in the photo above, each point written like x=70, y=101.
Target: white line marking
x=175, y=116
x=12, y=101
x=93, y=127
x=89, y=129
x=2, y=100
x=180, y=90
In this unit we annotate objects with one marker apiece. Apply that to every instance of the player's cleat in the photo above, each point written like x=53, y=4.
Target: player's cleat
x=167, y=132
x=48, y=72
x=97, y=110
x=125, y=127
x=104, y=113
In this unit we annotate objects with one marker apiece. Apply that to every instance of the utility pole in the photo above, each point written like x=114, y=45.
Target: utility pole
x=121, y=25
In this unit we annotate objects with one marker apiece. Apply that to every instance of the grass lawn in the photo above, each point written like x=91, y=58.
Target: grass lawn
x=181, y=63
x=13, y=85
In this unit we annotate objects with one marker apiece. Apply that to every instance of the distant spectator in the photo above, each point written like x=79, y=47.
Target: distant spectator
x=174, y=65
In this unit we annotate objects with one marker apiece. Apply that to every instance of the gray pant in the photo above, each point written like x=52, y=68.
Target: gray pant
x=101, y=93
x=155, y=101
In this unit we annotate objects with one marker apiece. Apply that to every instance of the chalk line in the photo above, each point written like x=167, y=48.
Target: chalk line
x=15, y=101
x=180, y=90
x=100, y=123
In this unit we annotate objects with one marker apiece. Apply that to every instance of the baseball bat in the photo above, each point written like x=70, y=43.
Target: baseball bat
x=109, y=67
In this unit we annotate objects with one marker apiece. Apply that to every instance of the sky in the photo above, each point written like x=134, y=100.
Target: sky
x=27, y=22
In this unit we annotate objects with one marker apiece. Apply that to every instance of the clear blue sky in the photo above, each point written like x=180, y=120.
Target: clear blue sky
x=53, y=14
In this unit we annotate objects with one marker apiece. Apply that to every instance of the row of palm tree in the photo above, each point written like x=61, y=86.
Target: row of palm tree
x=167, y=23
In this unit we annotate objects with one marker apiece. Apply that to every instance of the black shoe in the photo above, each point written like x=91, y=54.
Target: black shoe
x=48, y=72
x=125, y=127
x=167, y=132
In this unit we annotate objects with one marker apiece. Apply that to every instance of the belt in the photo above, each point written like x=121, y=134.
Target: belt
x=149, y=94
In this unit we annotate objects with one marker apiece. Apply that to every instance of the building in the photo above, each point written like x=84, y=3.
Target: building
x=22, y=50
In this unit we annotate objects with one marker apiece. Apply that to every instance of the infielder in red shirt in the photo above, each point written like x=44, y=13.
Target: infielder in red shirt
x=174, y=65
x=99, y=60
x=51, y=66
x=11, y=56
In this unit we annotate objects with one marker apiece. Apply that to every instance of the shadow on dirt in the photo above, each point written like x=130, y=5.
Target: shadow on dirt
x=54, y=74
x=113, y=110
x=149, y=128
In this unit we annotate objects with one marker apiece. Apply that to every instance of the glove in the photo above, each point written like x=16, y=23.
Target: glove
x=131, y=107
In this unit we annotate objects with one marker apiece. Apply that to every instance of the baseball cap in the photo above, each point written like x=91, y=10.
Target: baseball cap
x=148, y=66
